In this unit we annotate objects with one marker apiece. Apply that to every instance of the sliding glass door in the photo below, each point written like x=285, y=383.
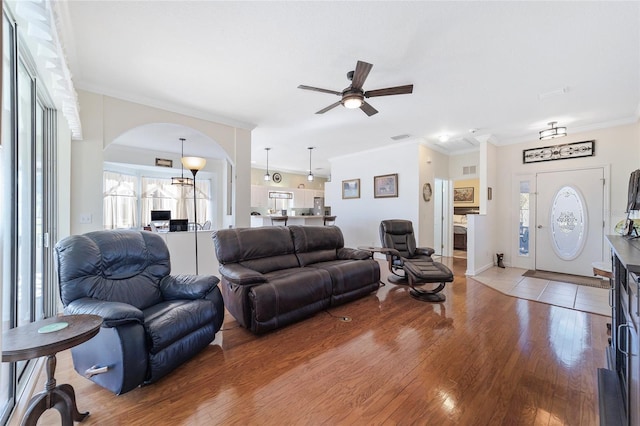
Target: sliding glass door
x=27, y=202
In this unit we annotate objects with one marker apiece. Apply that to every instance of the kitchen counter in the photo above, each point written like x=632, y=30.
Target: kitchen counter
x=257, y=221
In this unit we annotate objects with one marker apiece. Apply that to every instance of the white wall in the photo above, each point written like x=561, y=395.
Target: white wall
x=105, y=118
x=359, y=219
x=616, y=147
x=459, y=161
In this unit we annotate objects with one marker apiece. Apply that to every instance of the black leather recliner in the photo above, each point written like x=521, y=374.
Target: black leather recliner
x=153, y=321
x=396, y=235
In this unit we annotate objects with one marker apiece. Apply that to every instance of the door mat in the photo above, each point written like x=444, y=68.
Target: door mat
x=567, y=278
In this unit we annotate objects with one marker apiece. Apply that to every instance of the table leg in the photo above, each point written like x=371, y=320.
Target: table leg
x=62, y=398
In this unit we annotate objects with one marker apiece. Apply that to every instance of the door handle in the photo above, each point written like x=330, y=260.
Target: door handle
x=626, y=344
x=539, y=226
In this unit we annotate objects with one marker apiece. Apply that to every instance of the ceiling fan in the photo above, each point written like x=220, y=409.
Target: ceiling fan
x=353, y=96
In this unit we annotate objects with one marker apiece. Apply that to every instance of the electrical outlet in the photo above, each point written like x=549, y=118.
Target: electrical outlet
x=85, y=218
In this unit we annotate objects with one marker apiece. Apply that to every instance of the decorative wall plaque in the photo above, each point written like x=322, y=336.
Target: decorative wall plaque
x=163, y=162
x=559, y=152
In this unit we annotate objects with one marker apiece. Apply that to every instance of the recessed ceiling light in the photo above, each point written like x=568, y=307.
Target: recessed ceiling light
x=443, y=137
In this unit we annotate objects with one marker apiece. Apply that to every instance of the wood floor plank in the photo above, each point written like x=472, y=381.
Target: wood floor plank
x=479, y=358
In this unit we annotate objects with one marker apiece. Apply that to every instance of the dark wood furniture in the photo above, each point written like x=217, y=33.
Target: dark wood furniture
x=619, y=384
x=46, y=338
x=459, y=241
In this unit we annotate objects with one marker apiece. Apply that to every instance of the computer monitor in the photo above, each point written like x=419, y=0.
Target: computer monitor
x=178, y=225
x=160, y=215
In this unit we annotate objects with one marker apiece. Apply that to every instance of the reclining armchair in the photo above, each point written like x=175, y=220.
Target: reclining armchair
x=396, y=235
x=416, y=264
x=152, y=321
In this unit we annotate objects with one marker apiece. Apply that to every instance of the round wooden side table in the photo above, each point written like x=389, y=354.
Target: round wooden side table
x=46, y=338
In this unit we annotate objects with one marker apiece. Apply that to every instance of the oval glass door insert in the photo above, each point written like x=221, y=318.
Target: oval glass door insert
x=568, y=223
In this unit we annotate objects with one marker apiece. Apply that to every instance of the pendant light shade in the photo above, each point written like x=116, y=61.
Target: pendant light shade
x=553, y=132
x=181, y=180
x=310, y=175
x=267, y=176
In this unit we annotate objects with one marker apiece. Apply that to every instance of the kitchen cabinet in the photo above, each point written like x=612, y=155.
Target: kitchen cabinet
x=259, y=196
x=298, y=201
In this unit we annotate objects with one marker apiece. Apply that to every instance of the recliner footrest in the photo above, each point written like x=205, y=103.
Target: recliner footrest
x=423, y=272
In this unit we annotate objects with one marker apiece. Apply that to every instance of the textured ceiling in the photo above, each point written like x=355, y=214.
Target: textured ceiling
x=502, y=68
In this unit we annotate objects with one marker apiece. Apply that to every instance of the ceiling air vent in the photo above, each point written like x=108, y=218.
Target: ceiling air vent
x=469, y=170
x=400, y=137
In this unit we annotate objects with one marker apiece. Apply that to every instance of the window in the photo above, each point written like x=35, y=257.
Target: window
x=121, y=199
x=524, y=219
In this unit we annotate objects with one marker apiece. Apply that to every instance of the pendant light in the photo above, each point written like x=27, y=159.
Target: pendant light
x=181, y=180
x=267, y=176
x=310, y=175
x=553, y=132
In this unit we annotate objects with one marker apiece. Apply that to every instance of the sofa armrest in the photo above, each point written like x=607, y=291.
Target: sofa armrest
x=189, y=287
x=427, y=251
x=241, y=275
x=113, y=313
x=355, y=254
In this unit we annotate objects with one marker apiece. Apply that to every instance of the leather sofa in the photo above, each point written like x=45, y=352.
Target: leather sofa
x=274, y=276
x=152, y=321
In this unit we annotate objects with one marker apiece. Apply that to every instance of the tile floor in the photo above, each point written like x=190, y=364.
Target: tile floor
x=511, y=282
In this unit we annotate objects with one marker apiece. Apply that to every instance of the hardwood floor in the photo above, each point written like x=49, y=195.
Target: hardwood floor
x=479, y=358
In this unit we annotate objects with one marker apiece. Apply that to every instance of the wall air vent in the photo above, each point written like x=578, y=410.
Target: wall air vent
x=469, y=170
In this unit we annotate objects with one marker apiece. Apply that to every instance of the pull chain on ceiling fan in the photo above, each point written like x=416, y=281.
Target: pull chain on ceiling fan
x=353, y=96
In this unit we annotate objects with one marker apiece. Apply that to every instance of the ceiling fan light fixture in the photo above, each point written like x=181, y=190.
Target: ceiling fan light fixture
x=553, y=132
x=352, y=101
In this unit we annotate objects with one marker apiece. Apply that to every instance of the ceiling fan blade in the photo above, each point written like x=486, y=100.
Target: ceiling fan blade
x=368, y=109
x=399, y=90
x=332, y=106
x=360, y=74
x=317, y=89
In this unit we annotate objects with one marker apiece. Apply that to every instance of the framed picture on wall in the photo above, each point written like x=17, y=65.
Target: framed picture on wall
x=351, y=188
x=385, y=186
x=463, y=195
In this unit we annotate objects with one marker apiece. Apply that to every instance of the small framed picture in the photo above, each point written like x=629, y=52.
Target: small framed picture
x=463, y=195
x=385, y=186
x=351, y=188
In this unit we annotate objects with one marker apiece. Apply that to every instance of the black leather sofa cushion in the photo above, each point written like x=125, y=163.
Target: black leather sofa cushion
x=249, y=245
x=169, y=321
x=347, y=275
x=113, y=313
x=290, y=295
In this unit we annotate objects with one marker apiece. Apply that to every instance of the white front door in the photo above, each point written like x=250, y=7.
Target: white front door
x=570, y=220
